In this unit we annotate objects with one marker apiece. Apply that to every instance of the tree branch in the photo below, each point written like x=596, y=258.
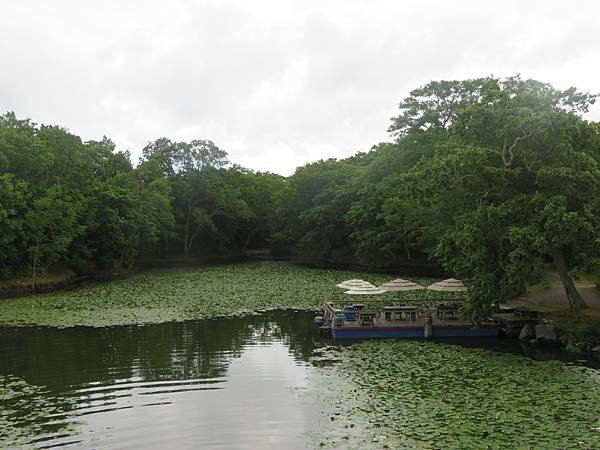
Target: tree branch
x=512, y=147
x=507, y=153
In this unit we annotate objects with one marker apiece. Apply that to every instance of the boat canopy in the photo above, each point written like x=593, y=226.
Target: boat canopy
x=365, y=290
x=449, y=285
x=400, y=285
x=351, y=284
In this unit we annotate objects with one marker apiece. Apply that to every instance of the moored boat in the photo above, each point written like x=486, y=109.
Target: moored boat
x=356, y=321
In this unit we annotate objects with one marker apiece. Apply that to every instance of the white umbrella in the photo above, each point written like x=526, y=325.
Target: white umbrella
x=351, y=284
x=400, y=285
x=367, y=289
x=449, y=285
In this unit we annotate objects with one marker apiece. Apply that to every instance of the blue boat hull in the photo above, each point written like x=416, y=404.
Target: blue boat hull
x=413, y=332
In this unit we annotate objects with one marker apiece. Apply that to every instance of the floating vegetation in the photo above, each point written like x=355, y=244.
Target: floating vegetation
x=444, y=396
x=28, y=413
x=190, y=293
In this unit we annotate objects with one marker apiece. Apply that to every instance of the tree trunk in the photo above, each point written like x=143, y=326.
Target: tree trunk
x=34, y=271
x=186, y=244
x=191, y=238
x=247, y=241
x=574, y=297
x=136, y=235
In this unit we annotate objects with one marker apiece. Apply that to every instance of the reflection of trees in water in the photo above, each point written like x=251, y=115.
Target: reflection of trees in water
x=297, y=331
x=177, y=350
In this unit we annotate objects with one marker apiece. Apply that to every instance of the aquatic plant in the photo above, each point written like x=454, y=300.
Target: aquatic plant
x=29, y=412
x=444, y=396
x=190, y=293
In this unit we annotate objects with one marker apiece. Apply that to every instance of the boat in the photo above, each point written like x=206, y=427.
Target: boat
x=364, y=321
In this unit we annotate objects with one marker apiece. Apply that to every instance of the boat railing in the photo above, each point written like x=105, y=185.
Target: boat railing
x=329, y=311
x=385, y=308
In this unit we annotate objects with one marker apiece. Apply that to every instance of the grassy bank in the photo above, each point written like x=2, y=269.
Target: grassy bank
x=188, y=293
x=579, y=330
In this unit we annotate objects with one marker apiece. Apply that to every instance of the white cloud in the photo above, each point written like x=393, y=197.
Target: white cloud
x=275, y=83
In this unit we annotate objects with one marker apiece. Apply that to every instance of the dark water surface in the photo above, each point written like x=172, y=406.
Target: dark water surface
x=235, y=383
x=227, y=383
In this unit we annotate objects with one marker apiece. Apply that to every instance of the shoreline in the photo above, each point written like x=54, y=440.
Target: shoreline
x=65, y=279
x=576, y=332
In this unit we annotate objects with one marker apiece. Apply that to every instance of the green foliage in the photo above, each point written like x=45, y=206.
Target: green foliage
x=580, y=328
x=73, y=203
x=84, y=205
x=513, y=180
x=489, y=178
x=29, y=411
x=216, y=208
x=13, y=205
x=50, y=227
x=315, y=202
x=184, y=294
x=177, y=157
x=442, y=396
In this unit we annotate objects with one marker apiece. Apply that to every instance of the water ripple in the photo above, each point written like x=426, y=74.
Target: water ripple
x=158, y=386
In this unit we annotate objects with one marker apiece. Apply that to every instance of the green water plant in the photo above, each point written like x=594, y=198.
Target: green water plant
x=191, y=293
x=30, y=412
x=444, y=396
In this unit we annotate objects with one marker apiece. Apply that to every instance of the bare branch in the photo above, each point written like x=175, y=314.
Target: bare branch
x=480, y=200
x=512, y=147
x=503, y=153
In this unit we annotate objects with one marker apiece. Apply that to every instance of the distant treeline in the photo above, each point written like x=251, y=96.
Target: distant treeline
x=490, y=178
x=84, y=205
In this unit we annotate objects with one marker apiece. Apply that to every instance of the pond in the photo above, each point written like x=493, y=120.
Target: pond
x=270, y=381
x=235, y=383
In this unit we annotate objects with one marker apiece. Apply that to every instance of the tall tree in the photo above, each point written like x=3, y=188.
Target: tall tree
x=193, y=171
x=516, y=179
x=51, y=225
x=14, y=196
x=315, y=201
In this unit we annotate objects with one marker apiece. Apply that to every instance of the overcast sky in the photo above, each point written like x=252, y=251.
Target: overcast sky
x=274, y=83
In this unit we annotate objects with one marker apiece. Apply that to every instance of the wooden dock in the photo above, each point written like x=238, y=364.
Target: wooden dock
x=511, y=323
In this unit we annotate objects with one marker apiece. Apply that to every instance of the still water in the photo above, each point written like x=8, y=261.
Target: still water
x=236, y=383
x=229, y=383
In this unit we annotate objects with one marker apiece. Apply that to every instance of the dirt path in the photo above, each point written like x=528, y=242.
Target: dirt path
x=555, y=295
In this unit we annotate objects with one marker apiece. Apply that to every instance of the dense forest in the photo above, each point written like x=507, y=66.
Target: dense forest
x=489, y=178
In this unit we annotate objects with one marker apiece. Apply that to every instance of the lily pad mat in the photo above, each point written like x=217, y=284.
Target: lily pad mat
x=444, y=396
x=189, y=293
x=28, y=412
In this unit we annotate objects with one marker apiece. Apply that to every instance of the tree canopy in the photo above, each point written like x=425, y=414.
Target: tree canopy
x=84, y=204
x=490, y=179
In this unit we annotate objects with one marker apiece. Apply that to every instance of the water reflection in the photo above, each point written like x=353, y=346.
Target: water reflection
x=229, y=383
x=213, y=383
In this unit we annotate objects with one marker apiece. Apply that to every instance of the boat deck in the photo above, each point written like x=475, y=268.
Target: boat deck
x=401, y=321
x=417, y=323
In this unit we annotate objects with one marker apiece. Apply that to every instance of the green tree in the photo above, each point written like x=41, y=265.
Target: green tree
x=51, y=225
x=259, y=197
x=202, y=199
x=152, y=192
x=14, y=196
x=316, y=200
x=514, y=183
